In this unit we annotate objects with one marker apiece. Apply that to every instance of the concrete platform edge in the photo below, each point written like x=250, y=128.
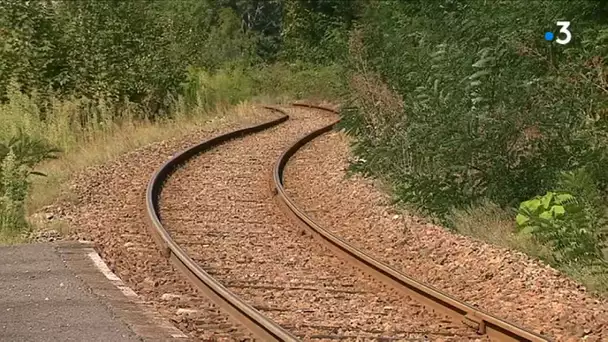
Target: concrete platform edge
x=86, y=264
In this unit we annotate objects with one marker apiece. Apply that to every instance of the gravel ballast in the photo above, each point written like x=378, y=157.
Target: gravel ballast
x=109, y=210
x=505, y=283
x=219, y=207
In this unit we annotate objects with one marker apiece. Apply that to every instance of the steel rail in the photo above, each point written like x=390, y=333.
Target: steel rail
x=254, y=321
x=484, y=323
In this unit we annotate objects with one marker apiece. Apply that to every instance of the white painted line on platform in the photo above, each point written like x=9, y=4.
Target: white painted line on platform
x=101, y=265
x=127, y=291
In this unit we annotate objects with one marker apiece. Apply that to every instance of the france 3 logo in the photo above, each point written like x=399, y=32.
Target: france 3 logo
x=566, y=35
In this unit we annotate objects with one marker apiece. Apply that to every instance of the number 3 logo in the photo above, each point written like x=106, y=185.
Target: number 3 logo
x=564, y=29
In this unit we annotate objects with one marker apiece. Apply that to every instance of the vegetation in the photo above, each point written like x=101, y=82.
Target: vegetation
x=460, y=106
x=77, y=75
x=18, y=157
x=466, y=110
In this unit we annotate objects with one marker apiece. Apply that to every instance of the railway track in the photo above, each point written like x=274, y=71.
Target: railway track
x=220, y=224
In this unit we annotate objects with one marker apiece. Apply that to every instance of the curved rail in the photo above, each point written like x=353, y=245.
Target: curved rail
x=261, y=326
x=484, y=323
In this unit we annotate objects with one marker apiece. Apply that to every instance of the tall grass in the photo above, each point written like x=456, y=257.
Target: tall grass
x=276, y=82
x=17, y=158
x=89, y=132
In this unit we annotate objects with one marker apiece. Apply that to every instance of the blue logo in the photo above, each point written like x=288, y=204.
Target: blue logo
x=549, y=36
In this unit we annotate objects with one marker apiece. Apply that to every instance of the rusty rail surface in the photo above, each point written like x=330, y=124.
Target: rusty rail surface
x=484, y=323
x=258, y=324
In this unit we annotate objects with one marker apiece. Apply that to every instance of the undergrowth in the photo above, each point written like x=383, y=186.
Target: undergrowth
x=459, y=106
x=17, y=158
x=467, y=115
x=69, y=135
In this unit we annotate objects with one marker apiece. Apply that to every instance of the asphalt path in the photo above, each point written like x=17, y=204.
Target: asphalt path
x=45, y=297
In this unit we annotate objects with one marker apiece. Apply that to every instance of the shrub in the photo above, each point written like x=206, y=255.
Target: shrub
x=571, y=221
x=205, y=89
x=490, y=110
x=17, y=159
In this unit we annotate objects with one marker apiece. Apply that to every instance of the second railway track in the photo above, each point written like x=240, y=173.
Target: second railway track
x=222, y=227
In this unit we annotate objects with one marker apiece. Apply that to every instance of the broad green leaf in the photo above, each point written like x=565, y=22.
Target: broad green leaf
x=546, y=200
x=529, y=230
x=532, y=205
x=521, y=219
x=558, y=210
x=545, y=215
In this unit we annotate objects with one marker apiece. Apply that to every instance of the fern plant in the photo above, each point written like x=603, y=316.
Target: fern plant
x=583, y=184
x=17, y=159
x=28, y=151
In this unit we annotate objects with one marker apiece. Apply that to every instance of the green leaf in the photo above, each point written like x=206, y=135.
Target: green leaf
x=561, y=198
x=529, y=230
x=477, y=99
x=546, y=215
x=521, y=219
x=558, y=211
x=546, y=200
x=482, y=62
x=479, y=74
x=531, y=205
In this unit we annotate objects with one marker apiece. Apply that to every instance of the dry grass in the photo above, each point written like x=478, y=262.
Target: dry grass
x=492, y=224
x=93, y=132
x=9, y=240
x=594, y=278
x=106, y=136
x=103, y=147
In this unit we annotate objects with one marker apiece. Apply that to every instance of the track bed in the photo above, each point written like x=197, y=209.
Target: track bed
x=220, y=210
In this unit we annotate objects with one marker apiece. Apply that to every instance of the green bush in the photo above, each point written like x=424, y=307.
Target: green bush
x=573, y=226
x=204, y=89
x=561, y=221
x=105, y=50
x=17, y=160
x=469, y=102
x=551, y=207
x=140, y=51
x=317, y=31
x=114, y=51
